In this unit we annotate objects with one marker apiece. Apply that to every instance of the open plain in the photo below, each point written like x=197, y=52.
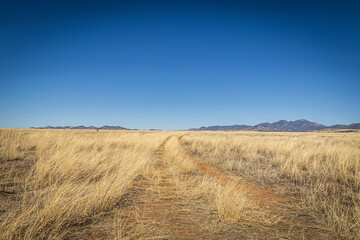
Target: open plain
x=87, y=184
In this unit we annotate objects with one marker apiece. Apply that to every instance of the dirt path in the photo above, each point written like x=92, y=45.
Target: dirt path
x=162, y=212
x=262, y=196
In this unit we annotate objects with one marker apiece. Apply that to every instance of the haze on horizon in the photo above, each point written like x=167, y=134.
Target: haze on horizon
x=178, y=64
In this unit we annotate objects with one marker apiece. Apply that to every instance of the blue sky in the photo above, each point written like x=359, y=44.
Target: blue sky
x=178, y=65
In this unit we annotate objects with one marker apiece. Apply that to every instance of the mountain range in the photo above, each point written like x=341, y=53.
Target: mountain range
x=83, y=127
x=279, y=126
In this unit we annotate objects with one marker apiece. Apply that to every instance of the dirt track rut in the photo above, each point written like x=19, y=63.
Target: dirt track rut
x=168, y=215
x=165, y=214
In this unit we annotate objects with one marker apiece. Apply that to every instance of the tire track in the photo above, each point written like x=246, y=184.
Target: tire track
x=264, y=197
x=159, y=207
x=166, y=214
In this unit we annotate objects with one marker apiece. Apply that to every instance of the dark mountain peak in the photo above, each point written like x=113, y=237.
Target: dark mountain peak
x=300, y=120
x=106, y=127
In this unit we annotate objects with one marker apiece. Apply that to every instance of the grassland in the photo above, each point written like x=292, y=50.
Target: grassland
x=82, y=184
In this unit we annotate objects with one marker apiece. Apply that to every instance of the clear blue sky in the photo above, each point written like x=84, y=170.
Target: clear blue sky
x=178, y=65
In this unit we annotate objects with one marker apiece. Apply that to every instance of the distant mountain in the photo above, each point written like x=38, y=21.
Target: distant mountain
x=112, y=128
x=280, y=126
x=227, y=128
x=83, y=127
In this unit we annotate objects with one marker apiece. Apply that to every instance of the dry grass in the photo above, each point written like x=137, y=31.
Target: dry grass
x=76, y=176
x=57, y=184
x=324, y=168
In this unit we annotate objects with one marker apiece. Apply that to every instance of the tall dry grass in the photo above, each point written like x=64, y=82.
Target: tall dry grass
x=323, y=167
x=77, y=175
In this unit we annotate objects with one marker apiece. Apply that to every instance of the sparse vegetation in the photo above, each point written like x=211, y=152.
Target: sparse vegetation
x=86, y=184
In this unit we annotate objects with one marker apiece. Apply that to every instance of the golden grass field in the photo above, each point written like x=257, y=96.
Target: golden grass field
x=83, y=184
